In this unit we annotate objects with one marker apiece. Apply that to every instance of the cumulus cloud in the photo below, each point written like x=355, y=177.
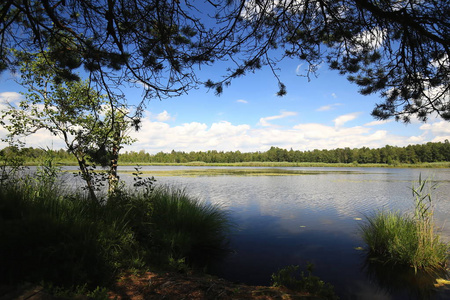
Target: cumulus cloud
x=341, y=120
x=437, y=128
x=193, y=136
x=284, y=114
x=158, y=136
x=40, y=139
x=440, y=131
x=10, y=96
x=164, y=116
x=417, y=139
x=161, y=135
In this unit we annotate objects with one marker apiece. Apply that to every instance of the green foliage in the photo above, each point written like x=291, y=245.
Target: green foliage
x=67, y=241
x=291, y=278
x=408, y=240
x=429, y=152
x=12, y=163
x=92, y=126
x=427, y=155
x=147, y=184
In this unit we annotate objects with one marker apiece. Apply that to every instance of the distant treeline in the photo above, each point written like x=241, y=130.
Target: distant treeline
x=423, y=153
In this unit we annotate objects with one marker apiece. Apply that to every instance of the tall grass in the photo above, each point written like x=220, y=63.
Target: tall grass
x=408, y=239
x=48, y=234
x=52, y=236
x=187, y=227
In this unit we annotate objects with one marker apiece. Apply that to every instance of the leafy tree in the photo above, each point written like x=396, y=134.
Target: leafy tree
x=397, y=48
x=92, y=128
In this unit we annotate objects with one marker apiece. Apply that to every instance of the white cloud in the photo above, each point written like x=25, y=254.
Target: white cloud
x=440, y=138
x=328, y=107
x=40, y=139
x=334, y=95
x=242, y=101
x=156, y=135
x=416, y=139
x=194, y=136
x=284, y=114
x=437, y=128
x=341, y=120
x=379, y=122
x=9, y=97
x=164, y=116
x=297, y=70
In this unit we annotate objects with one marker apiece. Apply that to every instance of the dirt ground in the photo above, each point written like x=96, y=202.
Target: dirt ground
x=193, y=286
x=166, y=285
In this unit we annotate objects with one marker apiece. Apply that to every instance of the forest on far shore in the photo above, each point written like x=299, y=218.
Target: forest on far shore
x=411, y=154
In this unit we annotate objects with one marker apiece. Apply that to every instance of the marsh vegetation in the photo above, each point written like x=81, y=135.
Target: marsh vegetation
x=408, y=239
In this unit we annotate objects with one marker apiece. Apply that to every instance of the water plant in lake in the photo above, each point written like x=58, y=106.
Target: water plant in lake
x=187, y=228
x=292, y=278
x=408, y=239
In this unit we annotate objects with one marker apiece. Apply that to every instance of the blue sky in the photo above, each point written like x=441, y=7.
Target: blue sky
x=326, y=112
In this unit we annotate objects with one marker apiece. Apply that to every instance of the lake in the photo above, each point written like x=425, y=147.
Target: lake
x=291, y=216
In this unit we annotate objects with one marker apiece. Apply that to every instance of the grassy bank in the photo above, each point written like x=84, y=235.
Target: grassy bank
x=61, y=238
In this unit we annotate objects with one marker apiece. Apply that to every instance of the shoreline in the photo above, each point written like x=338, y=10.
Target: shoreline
x=433, y=165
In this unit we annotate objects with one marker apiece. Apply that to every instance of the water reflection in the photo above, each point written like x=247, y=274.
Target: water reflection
x=404, y=281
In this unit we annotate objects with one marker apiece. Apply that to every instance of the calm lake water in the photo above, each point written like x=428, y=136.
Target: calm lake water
x=313, y=217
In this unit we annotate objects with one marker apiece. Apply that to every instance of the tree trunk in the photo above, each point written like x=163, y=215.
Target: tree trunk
x=113, y=179
x=87, y=176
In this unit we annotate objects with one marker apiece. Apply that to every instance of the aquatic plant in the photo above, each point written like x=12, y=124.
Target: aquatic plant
x=292, y=278
x=408, y=239
x=186, y=227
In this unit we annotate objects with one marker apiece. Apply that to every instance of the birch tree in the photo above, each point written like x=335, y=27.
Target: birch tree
x=91, y=126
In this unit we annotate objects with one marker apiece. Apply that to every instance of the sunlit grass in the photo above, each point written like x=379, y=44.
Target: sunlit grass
x=407, y=239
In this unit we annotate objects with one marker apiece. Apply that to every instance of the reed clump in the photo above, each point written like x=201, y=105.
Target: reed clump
x=188, y=228
x=408, y=239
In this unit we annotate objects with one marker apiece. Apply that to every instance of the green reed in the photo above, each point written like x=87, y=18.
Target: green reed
x=408, y=239
x=186, y=227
